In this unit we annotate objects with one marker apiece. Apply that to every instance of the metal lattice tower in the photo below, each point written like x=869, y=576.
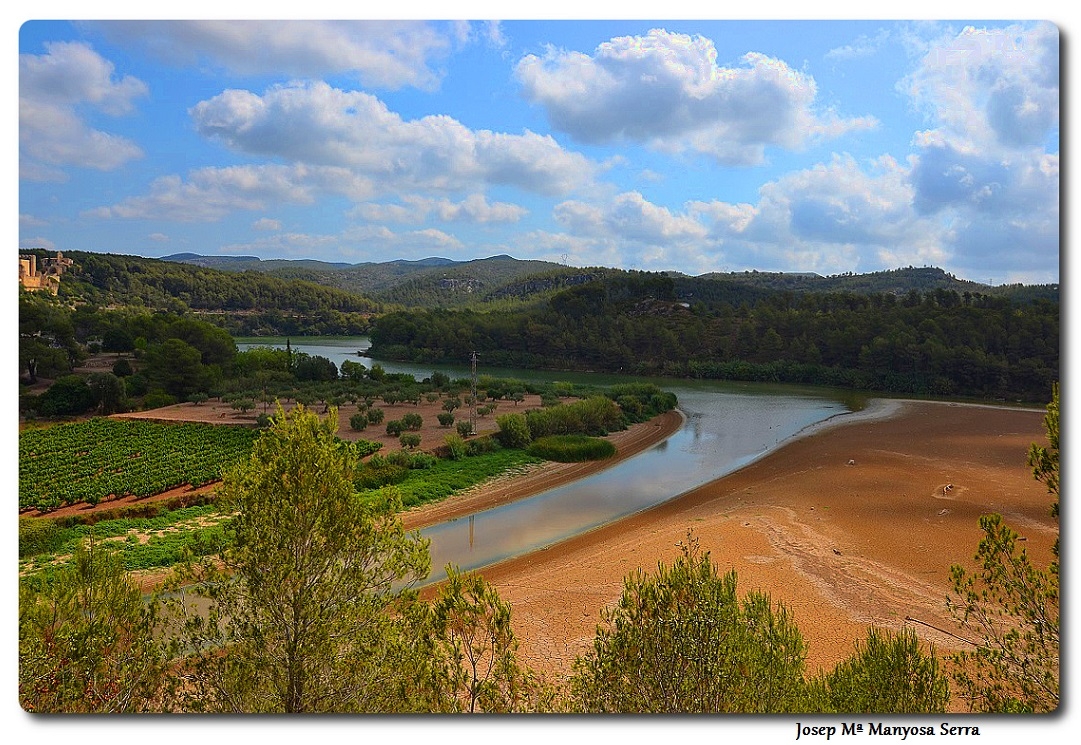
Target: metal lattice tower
x=473, y=398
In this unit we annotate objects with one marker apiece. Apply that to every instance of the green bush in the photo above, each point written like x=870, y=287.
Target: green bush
x=364, y=448
x=158, y=399
x=481, y=446
x=889, y=673
x=641, y=401
x=38, y=536
x=513, y=430
x=571, y=448
x=380, y=475
x=455, y=446
x=595, y=416
x=422, y=461
x=683, y=641
x=358, y=421
x=398, y=458
x=68, y=395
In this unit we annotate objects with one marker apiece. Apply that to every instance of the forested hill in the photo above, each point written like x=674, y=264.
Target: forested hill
x=499, y=281
x=432, y=282
x=896, y=281
x=242, y=302
x=941, y=342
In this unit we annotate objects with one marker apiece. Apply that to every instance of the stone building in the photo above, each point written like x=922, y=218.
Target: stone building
x=45, y=277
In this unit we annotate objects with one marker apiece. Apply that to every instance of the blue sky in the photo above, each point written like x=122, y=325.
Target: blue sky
x=824, y=146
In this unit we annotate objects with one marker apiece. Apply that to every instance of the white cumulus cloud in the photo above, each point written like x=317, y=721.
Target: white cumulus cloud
x=989, y=163
x=414, y=208
x=386, y=54
x=629, y=216
x=210, y=194
x=666, y=89
x=314, y=123
x=991, y=89
x=52, y=132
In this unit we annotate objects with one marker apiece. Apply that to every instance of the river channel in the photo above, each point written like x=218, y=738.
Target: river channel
x=726, y=427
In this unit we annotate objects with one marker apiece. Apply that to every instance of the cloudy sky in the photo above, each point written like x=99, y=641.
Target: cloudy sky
x=823, y=146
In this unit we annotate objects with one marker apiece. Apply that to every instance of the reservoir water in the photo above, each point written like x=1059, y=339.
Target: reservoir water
x=723, y=432
x=727, y=426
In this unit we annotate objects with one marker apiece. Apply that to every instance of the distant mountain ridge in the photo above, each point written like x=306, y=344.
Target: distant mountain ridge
x=441, y=282
x=430, y=282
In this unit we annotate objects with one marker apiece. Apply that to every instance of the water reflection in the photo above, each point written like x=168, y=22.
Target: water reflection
x=727, y=432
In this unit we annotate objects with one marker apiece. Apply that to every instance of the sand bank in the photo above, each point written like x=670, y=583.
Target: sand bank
x=854, y=523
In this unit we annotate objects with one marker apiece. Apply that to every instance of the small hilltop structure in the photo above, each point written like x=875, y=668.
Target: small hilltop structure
x=44, y=277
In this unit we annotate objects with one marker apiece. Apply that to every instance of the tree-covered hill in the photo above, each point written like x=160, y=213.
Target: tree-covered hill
x=501, y=281
x=243, y=302
x=895, y=281
x=914, y=330
x=938, y=342
x=462, y=284
x=431, y=282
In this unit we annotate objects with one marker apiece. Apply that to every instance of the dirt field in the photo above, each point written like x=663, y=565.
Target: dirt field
x=432, y=433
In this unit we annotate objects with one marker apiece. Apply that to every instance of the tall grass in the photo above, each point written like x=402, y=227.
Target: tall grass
x=444, y=477
x=571, y=448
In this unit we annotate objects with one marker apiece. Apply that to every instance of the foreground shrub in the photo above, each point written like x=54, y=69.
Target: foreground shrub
x=342, y=567
x=888, y=674
x=87, y=641
x=571, y=448
x=1011, y=603
x=475, y=653
x=682, y=641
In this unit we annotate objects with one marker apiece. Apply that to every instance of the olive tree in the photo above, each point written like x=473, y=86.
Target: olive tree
x=304, y=613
